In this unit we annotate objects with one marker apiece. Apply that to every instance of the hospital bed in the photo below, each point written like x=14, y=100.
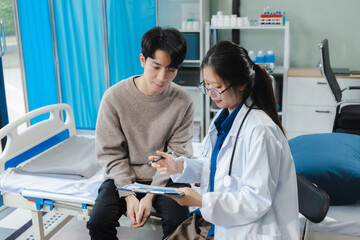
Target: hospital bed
x=341, y=223
x=61, y=191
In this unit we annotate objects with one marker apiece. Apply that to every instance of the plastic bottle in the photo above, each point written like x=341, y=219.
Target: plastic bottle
x=260, y=57
x=270, y=60
x=214, y=20
x=220, y=21
x=226, y=20
x=252, y=55
x=284, y=20
x=233, y=20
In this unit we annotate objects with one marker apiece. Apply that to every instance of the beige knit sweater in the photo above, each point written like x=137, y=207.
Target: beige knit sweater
x=131, y=127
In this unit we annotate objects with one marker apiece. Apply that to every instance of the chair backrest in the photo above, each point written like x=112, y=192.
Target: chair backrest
x=313, y=201
x=327, y=71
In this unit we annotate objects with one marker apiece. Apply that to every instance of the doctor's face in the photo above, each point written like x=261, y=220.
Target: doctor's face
x=229, y=98
x=157, y=75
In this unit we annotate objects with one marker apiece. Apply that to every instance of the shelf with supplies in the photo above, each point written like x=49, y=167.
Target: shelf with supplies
x=263, y=27
x=279, y=73
x=189, y=17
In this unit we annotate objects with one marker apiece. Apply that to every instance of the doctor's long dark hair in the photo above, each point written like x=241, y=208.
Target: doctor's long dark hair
x=233, y=65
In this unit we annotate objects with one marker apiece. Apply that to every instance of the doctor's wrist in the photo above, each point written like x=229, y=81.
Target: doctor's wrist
x=180, y=165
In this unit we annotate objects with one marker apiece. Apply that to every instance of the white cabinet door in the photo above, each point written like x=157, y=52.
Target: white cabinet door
x=349, y=94
x=309, y=91
x=310, y=119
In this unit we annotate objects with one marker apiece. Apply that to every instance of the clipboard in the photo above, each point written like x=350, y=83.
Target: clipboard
x=143, y=188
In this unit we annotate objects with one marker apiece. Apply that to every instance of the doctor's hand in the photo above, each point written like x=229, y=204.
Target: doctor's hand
x=132, y=207
x=190, y=198
x=168, y=165
x=143, y=213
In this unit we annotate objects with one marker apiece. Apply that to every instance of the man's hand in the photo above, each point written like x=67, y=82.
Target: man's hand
x=132, y=207
x=190, y=198
x=144, y=211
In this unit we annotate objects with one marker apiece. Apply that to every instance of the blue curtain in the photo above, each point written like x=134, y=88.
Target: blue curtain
x=38, y=53
x=127, y=21
x=3, y=109
x=80, y=46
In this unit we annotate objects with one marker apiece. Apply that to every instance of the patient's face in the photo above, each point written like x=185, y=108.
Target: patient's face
x=157, y=75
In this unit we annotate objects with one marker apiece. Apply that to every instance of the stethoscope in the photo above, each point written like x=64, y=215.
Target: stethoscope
x=228, y=180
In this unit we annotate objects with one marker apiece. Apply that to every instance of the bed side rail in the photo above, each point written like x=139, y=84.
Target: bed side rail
x=18, y=140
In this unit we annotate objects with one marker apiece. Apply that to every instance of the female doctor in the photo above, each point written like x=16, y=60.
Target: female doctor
x=248, y=181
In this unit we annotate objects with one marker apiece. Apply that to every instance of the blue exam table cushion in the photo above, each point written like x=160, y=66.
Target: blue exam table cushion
x=331, y=161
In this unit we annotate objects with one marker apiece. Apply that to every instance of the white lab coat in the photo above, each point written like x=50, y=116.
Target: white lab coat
x=262, y=202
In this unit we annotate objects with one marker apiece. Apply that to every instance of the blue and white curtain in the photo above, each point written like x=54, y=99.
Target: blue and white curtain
x=81, y=52
x=126, y=22
x=38, y=55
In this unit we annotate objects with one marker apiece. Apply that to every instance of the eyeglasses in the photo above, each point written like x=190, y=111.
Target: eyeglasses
x=214, y=92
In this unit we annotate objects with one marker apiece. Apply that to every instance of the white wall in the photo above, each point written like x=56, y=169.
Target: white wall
x=311, y=21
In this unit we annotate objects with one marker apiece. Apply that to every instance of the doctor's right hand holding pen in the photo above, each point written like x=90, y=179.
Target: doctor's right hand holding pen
x=168, y=164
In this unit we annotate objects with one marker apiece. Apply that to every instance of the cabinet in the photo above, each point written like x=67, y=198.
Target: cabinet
x=210, y=37
x=310, y=104
x=175, y=13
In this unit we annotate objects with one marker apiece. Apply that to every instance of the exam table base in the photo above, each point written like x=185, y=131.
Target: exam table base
x=68, y=209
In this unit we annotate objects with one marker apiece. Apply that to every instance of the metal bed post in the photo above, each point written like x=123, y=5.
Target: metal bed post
x=106, y=47
x=21, y=56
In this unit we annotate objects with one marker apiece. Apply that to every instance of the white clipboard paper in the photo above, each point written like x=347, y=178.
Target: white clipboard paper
x=143, y=188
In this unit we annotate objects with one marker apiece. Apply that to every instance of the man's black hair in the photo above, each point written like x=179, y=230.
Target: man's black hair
x=169, y=40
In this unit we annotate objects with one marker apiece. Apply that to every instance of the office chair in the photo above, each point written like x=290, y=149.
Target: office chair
x=347, y=117
x=313, y=202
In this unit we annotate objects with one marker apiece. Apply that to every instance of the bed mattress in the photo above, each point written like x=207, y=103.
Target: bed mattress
x=339, y=220
x=13, y=182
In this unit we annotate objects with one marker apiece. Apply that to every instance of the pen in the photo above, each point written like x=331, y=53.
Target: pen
x=158, y=159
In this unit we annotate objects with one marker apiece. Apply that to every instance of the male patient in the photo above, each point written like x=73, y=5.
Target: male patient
x=138, y=116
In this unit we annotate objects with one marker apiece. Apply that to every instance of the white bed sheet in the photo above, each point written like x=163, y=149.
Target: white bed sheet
x=339, y=220
x=84, y=188
x=12, y=182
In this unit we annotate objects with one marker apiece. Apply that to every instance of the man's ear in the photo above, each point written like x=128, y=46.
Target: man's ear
x=142, y=60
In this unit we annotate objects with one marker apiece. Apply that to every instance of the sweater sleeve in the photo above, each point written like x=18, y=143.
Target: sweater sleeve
x=179, y=143
x=111, y=146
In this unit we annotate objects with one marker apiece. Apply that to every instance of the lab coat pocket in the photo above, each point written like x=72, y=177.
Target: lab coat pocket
x=263, y=237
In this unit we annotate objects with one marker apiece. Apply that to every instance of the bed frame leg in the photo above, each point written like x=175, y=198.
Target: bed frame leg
x=38, y=226
x=305, y=232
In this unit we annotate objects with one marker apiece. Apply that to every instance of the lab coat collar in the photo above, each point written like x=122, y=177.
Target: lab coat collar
x=224, y=121
x=240, y=116
x=235, y=125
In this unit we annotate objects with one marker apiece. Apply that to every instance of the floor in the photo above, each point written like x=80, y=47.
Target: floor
x=16, y=224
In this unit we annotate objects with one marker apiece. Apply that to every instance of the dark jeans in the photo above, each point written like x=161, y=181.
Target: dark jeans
x=109, y=207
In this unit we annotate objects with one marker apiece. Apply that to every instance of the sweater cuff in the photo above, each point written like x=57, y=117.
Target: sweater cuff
x=123, y=194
